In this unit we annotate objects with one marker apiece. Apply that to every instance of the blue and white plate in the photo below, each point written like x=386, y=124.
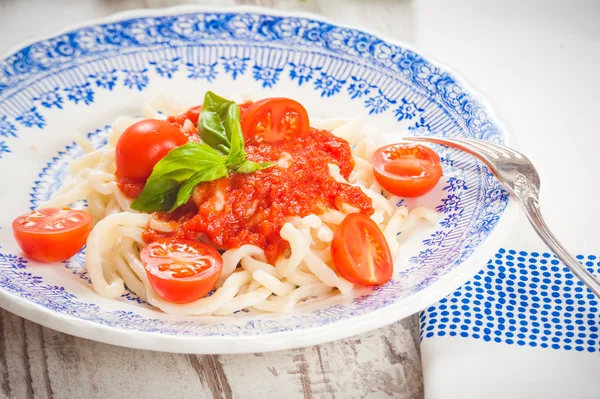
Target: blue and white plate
x=79, y=80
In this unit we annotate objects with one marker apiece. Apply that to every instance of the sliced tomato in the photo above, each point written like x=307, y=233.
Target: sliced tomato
x=52, y=235
x=360, y=251
x=181, y=271
x=143, y=144
x=274, y=119
x=406, y=169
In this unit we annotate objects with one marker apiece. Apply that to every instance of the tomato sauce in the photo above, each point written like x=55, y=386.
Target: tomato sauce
x=252, y=208
x=130, y=187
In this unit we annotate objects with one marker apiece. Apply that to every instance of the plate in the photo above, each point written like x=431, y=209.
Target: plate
x=81, y=79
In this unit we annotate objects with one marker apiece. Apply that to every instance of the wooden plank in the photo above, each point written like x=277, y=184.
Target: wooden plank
x=39, y=362
x=384, y=363
x=82, y=368
x=14, y=362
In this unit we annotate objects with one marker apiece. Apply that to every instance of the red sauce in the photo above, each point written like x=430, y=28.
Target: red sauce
x=193, y=114
x=252, y=208
x=130, y=187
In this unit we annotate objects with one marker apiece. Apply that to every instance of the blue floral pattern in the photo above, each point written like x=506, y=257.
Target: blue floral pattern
x=81, y=93
x=452, y=220
x=449, y=204
x=188, y=28
x=32, y=118
x=136, y=79
x=407, y=110
x=202, y=71
x=50, y=98
x=350, y=41
x=447, y=161
x=302, y=73
x=455, y=184
x=236, y=66
x=359, y=88
x=267, y=75
x=14, y=261
x=378, y=104
x=328, y=85
x=405, y=60
x=166, y=68
x=319, y=54
x=105, y=80
x=7, y=129
x=420, y=128
x=436, y=239
x=427, y=75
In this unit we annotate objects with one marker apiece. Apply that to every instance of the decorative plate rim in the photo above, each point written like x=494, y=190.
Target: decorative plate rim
x=282, y=340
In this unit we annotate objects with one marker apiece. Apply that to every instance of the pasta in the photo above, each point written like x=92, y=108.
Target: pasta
x=248, y=281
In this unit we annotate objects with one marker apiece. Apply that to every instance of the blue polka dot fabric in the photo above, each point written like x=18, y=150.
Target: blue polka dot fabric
x=521, y=298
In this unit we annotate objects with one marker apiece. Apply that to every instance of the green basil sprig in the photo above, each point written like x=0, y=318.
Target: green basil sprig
x=174, y=177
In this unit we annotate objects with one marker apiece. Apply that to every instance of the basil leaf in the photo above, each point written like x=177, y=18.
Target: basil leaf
x=211, y=124
x=160, y=192
x=170, y=173
x=233, y=128
x=209, y=174
x=189, y=155
x=174, y=177
x=248, y=166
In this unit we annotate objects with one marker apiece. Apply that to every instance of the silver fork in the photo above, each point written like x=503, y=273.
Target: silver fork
x=519, y=177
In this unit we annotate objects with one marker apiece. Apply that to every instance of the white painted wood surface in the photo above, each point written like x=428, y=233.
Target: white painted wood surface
x=38, y=362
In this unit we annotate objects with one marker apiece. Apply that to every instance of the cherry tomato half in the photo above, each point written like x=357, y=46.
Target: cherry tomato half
x=52, y=235
x=274, y=119
x=360, y=252
x=407, y=170
x=143, y=144
x=181, y=271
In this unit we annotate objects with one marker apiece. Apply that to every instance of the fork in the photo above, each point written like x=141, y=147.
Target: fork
x=518, y=175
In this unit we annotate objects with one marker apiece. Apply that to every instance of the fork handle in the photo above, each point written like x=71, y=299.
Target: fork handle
x=534, y=214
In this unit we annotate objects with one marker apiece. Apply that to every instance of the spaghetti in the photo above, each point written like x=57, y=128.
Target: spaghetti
x=250, y=279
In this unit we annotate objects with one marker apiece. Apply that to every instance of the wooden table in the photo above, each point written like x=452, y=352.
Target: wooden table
x=39, y=362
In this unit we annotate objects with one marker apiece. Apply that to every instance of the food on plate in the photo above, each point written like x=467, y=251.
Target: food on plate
x=181, y=271
x=360, y=251
x=143, y=144
x=52, y=235
x=407, y=170
x=226, y=207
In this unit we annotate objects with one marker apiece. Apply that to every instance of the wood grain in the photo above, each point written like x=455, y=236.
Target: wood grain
x=41, y=363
